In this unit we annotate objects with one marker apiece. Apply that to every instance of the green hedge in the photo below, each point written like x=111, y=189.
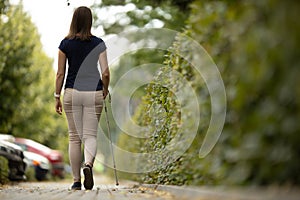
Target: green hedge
x=4, y=170
x=255, y=45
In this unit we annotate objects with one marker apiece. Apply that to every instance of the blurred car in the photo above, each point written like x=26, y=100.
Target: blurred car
x=39, y=163
x=7, y=137
x=54, y=156
x=15, y=157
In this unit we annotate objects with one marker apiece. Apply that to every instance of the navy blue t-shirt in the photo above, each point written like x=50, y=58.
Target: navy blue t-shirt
x=83, y=56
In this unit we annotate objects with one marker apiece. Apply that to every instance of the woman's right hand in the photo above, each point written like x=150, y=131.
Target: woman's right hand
x=58, y=106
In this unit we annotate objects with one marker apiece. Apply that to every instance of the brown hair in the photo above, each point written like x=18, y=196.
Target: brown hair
x=81, y=24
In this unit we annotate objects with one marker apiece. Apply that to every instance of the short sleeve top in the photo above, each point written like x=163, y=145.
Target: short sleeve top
x=83, y=55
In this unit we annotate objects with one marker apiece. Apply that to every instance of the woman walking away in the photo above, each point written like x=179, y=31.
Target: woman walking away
x=84, y=92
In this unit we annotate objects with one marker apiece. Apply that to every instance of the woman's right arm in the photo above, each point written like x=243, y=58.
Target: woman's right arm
x=105, y=72
x=60, y=75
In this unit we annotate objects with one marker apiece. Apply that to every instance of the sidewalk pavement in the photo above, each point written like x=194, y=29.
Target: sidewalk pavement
x=228, y=193
x=105, y=189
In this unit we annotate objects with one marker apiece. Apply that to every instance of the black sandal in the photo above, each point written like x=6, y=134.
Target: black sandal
x=88, y=177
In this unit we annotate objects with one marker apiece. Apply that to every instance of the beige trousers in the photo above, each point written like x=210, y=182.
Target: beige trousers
x=83, y=110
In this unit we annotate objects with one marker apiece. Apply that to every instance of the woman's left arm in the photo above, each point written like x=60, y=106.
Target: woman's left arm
x=60, y=75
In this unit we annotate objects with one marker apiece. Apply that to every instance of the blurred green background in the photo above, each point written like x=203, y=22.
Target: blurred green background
x=255, y=45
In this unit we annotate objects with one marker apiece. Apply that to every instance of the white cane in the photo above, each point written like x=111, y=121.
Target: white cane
x=109, y=137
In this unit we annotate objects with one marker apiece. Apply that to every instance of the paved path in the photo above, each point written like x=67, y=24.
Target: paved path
x=105, y=189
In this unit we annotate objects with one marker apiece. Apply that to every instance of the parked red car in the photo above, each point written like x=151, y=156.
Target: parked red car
x=54, y=156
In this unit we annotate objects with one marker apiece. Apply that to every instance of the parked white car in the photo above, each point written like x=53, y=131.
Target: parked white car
x=39, y=163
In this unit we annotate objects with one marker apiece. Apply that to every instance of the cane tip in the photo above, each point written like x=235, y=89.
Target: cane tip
x=117, y=184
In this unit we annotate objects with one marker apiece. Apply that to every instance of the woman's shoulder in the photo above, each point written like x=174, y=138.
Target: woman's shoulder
x=99, y=42
x=63, y=43
x=65, y=40
x=97, y=39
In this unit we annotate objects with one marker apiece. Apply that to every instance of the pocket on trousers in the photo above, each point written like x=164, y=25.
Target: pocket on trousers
x=99, y=97
x=68, y=96
x=98, y=103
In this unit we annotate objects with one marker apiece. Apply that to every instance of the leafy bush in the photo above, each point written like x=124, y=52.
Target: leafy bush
x=30, y=174
x=4, y=170
x=255, y=46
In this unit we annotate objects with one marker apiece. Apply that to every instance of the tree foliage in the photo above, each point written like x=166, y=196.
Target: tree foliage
x=255, y=46
x=16, y=50
x=3, y=6
x=136, y=13
x=26, y=82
